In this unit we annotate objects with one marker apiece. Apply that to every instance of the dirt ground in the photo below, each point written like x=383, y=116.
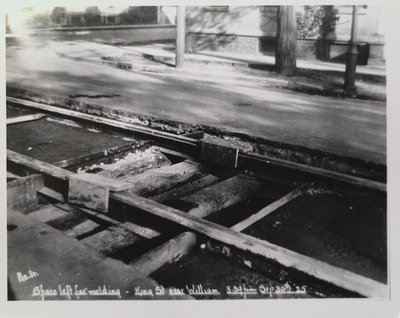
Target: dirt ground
x=341, y=231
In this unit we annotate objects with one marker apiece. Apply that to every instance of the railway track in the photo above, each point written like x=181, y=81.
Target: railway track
x=185, y=216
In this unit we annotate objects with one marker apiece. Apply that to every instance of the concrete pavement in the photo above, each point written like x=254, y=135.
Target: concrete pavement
x=345, y=127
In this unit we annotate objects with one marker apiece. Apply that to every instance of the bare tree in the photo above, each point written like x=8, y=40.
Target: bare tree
x=285, y=54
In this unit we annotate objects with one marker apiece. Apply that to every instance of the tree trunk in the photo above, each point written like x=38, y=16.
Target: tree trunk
x=285, y=54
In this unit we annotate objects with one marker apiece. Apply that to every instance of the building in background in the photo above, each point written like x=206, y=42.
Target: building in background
x=323, y=31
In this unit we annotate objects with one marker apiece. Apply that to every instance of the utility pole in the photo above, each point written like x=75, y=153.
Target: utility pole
x=8, y=29
x=352, y=54
x=285, y=54
x=180, y=37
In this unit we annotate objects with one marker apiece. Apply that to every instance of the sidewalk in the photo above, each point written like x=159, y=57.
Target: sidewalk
x=256, y=104
x=165, y=51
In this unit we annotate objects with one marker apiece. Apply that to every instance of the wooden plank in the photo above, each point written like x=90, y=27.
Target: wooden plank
x=337, y=276
x=115, y=185
x=22, y=193
x=38, y=165
x=185, y=189
x=132, y=164
x=267, y=210
x=221, y=195
x=82, y=228
x=97, y=155
x=88, y=194
x=170, y=251
x=135, y=228
x=162, y=179
x=110, y=240
x=92, y=190
x=22, y=119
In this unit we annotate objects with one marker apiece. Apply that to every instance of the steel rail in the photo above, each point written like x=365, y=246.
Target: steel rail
x=247, y=160
x=166, y=136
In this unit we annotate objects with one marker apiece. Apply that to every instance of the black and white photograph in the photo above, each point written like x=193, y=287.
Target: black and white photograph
x=222, y=154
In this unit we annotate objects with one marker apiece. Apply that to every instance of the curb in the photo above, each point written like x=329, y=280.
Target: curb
x=124, y=63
